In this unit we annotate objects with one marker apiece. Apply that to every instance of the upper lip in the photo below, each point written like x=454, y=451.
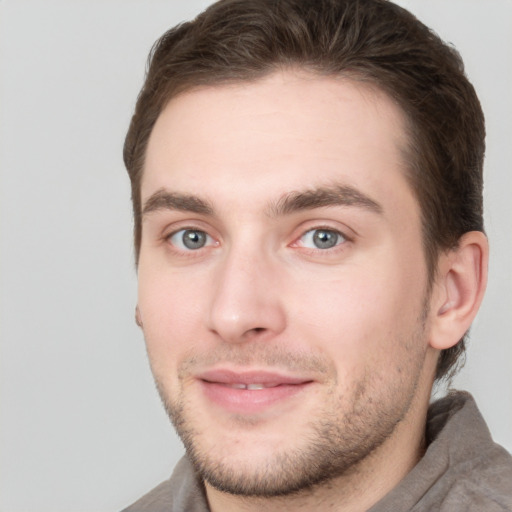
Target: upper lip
x=267, y=378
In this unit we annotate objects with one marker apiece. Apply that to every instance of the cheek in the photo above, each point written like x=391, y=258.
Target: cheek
x=362, y=316
x=170, y=310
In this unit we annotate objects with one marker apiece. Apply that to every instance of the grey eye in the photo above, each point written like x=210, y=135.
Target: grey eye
x=322, y=239
x=190, y=239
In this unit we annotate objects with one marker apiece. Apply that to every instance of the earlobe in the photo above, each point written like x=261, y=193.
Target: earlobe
x=138, y=319
x=459, y=289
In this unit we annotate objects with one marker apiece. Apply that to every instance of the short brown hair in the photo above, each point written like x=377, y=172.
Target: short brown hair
x=368, y=40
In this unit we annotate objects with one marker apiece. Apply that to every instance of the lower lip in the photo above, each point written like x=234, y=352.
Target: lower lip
x=250, y=401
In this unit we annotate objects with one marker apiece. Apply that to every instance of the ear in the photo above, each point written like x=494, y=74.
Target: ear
x=458, y=289
x=138, y=319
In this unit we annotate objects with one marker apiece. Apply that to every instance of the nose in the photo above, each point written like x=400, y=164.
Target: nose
x=246, y=302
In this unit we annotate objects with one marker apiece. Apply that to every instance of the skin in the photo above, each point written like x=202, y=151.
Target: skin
x=258, y=170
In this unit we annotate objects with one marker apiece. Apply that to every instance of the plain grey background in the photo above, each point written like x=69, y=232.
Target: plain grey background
x=81, y=426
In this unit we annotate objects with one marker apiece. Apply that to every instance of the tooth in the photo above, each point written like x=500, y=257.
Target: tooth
x=239, y=386
x=255, y=386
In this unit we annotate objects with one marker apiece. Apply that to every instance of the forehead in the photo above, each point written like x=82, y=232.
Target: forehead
x=287, y=131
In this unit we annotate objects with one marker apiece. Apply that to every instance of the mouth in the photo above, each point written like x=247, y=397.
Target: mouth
x=250, y=392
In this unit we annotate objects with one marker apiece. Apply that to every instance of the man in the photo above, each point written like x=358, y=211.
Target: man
x=307, y=190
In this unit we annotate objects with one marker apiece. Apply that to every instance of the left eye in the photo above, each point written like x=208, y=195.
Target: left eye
x=321, y=239
x=190, y=239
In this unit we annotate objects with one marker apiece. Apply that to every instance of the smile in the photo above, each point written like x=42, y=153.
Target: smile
x=250, y=392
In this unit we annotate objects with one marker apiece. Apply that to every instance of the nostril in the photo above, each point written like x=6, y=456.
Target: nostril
x=254, y=332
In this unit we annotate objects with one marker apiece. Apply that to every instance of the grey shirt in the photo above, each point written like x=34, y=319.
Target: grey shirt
x=462, y=470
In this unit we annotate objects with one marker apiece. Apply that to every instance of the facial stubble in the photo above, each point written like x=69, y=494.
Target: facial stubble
x=345, y=432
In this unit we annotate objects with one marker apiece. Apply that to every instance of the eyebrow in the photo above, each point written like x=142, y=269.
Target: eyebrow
x=337, y=195
x=164, y=200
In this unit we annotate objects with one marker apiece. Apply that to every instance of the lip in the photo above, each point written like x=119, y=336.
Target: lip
x=250, y=392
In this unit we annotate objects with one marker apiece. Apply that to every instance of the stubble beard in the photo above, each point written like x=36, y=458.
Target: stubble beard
x=336, y=442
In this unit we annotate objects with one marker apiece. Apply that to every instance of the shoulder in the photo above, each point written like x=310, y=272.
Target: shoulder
x=182, y=491
x=475, y=473
x=481, y=482
x=462, y=470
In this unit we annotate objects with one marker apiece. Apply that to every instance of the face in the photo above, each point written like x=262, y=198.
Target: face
x=282, y=279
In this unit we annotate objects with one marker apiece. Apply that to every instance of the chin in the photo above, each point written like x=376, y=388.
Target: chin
x=279, y=458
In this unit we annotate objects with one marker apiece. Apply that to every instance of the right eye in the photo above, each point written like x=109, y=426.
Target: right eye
x=190, y=239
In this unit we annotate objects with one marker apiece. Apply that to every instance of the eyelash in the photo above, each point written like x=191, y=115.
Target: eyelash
x=341, y=238
x=184, y=230
x=341, y=241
